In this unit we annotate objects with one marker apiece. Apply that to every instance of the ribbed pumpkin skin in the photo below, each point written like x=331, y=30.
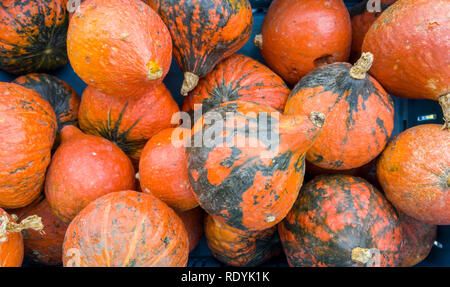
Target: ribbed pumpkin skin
x=362, y=19
x=11, y=251
x=359, y=116
x=193, y=223
x=416, y=63
x=62, y=97
x=36, y=43
x=418, y=239
x=84, y=168
x=299, y=36
x=163, y=171
x=240, y=248
x=128, y=229
x=129, y=123
x=27, y=131
x=238, y=77
x=335, y=214
x=120, y=47
x=44, y=248
x=237, y=183
x=414, y=171
x=205, y=32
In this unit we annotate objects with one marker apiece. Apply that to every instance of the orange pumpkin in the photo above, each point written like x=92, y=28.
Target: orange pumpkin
x=238, y=78
x=416, y=63
x=120, y=47
x=235, y=247
x=193, y=223
x=299, y=36
x=28, y=128
x=83, y=168
x=128, y=229
x=163, y=170
x=129, y=123
x=204, y=32
x=414, y=171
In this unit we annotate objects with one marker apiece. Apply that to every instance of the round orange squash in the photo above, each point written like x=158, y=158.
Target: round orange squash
x=120, y=47
x=299, y=36
x=28, y=128
x=83, y=168
x=128, y=229
x=163, y=170
x=414, y=171
x=129, y=123
x=193, y=223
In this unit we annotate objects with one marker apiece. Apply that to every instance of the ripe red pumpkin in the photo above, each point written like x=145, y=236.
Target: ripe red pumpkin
x=418, y=239
x=128, y=229
x=27, y=131
x=414, y=171
x=83, y=168
x=240, y=248
x=415, y=65
x=336, y=220
x=299, y=36
x=63, y=98
x=120, y=47
x=43, y=247
x=163, y=171
x=238, y=78
x=359, y=112
x=129, y=123
x=36, y=42
x=204, y=32
x=193, y=223
x=252, y=184
x=362, y=18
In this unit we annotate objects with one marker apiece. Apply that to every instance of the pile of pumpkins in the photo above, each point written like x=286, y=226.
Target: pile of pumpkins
x=97, y=180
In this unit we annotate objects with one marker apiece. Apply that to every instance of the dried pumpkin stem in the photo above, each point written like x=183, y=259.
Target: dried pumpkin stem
x=361, y=255
x=318, y=119
x=154, y=71
x=444, y=101
x=362, y=66
x=258, y=41
x=32, y=222
x=189, y=83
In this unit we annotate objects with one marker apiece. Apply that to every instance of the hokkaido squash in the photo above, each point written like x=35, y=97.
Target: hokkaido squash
x=248, y=171
x=11, y=240
x=204, y=32
x=414, y=171
x=238, y=78
x=43, y=247
x=163, y=170
x=128, y=229
x=129, y=123
x=418, y=239
x=240, y=248
x=193, y=223
x=83, y=168
x=119, y=47
x=33, y=37
x=63, y=98
x=362, y=16
x=359, y=112
x=416, y=64
x=341, y=220
x=27, y=131
x=299, y=36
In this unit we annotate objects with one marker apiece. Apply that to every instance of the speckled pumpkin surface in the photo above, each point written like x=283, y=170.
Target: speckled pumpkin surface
x=27, y=130
x=128, y=229
x=336, y=220
x=414, y=171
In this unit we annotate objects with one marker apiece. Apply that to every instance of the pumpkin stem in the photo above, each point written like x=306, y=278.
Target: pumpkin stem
x=258, y=41
x=444, y=101
x=362, y=66
x=361, y=255
x=32, y=222
x=189, y=83
x=154, y=71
